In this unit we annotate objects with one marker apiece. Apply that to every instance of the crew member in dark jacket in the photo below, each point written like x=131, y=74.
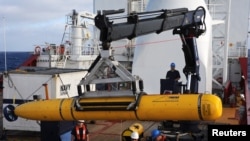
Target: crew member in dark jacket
x=173, y=76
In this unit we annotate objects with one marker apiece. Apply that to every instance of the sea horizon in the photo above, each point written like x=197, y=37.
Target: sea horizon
x=10, y=60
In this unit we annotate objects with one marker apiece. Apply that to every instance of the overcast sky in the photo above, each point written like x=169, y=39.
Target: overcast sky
x=27, y=23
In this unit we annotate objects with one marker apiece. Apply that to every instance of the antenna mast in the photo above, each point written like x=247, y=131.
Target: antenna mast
x=4, y=44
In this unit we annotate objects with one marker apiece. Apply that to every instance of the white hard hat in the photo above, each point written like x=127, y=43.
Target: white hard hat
x=81, y=120
x=134, y=135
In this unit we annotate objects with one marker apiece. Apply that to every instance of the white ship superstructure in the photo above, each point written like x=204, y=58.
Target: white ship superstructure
x=230, y=34
x=79, y=46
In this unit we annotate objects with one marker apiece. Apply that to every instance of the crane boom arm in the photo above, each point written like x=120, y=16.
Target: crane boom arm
x=143, y=23
x=188, y=24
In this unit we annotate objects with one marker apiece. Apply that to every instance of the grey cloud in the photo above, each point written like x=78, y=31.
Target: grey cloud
x=28, y=22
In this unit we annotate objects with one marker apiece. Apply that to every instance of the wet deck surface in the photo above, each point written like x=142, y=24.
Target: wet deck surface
x=102, y=130
x=229, y=116
x=112, y=130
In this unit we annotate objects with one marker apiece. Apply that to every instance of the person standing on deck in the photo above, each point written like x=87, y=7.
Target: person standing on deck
x=173, y=75
x=80, y=132
x=157, y=136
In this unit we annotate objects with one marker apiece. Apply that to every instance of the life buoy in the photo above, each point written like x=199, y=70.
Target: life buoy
x=37, y=50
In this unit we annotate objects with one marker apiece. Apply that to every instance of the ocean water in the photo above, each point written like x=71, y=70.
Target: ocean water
x=13, y=60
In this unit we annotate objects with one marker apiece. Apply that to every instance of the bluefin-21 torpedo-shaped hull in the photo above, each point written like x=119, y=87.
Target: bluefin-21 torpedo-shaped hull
x=145, y=107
